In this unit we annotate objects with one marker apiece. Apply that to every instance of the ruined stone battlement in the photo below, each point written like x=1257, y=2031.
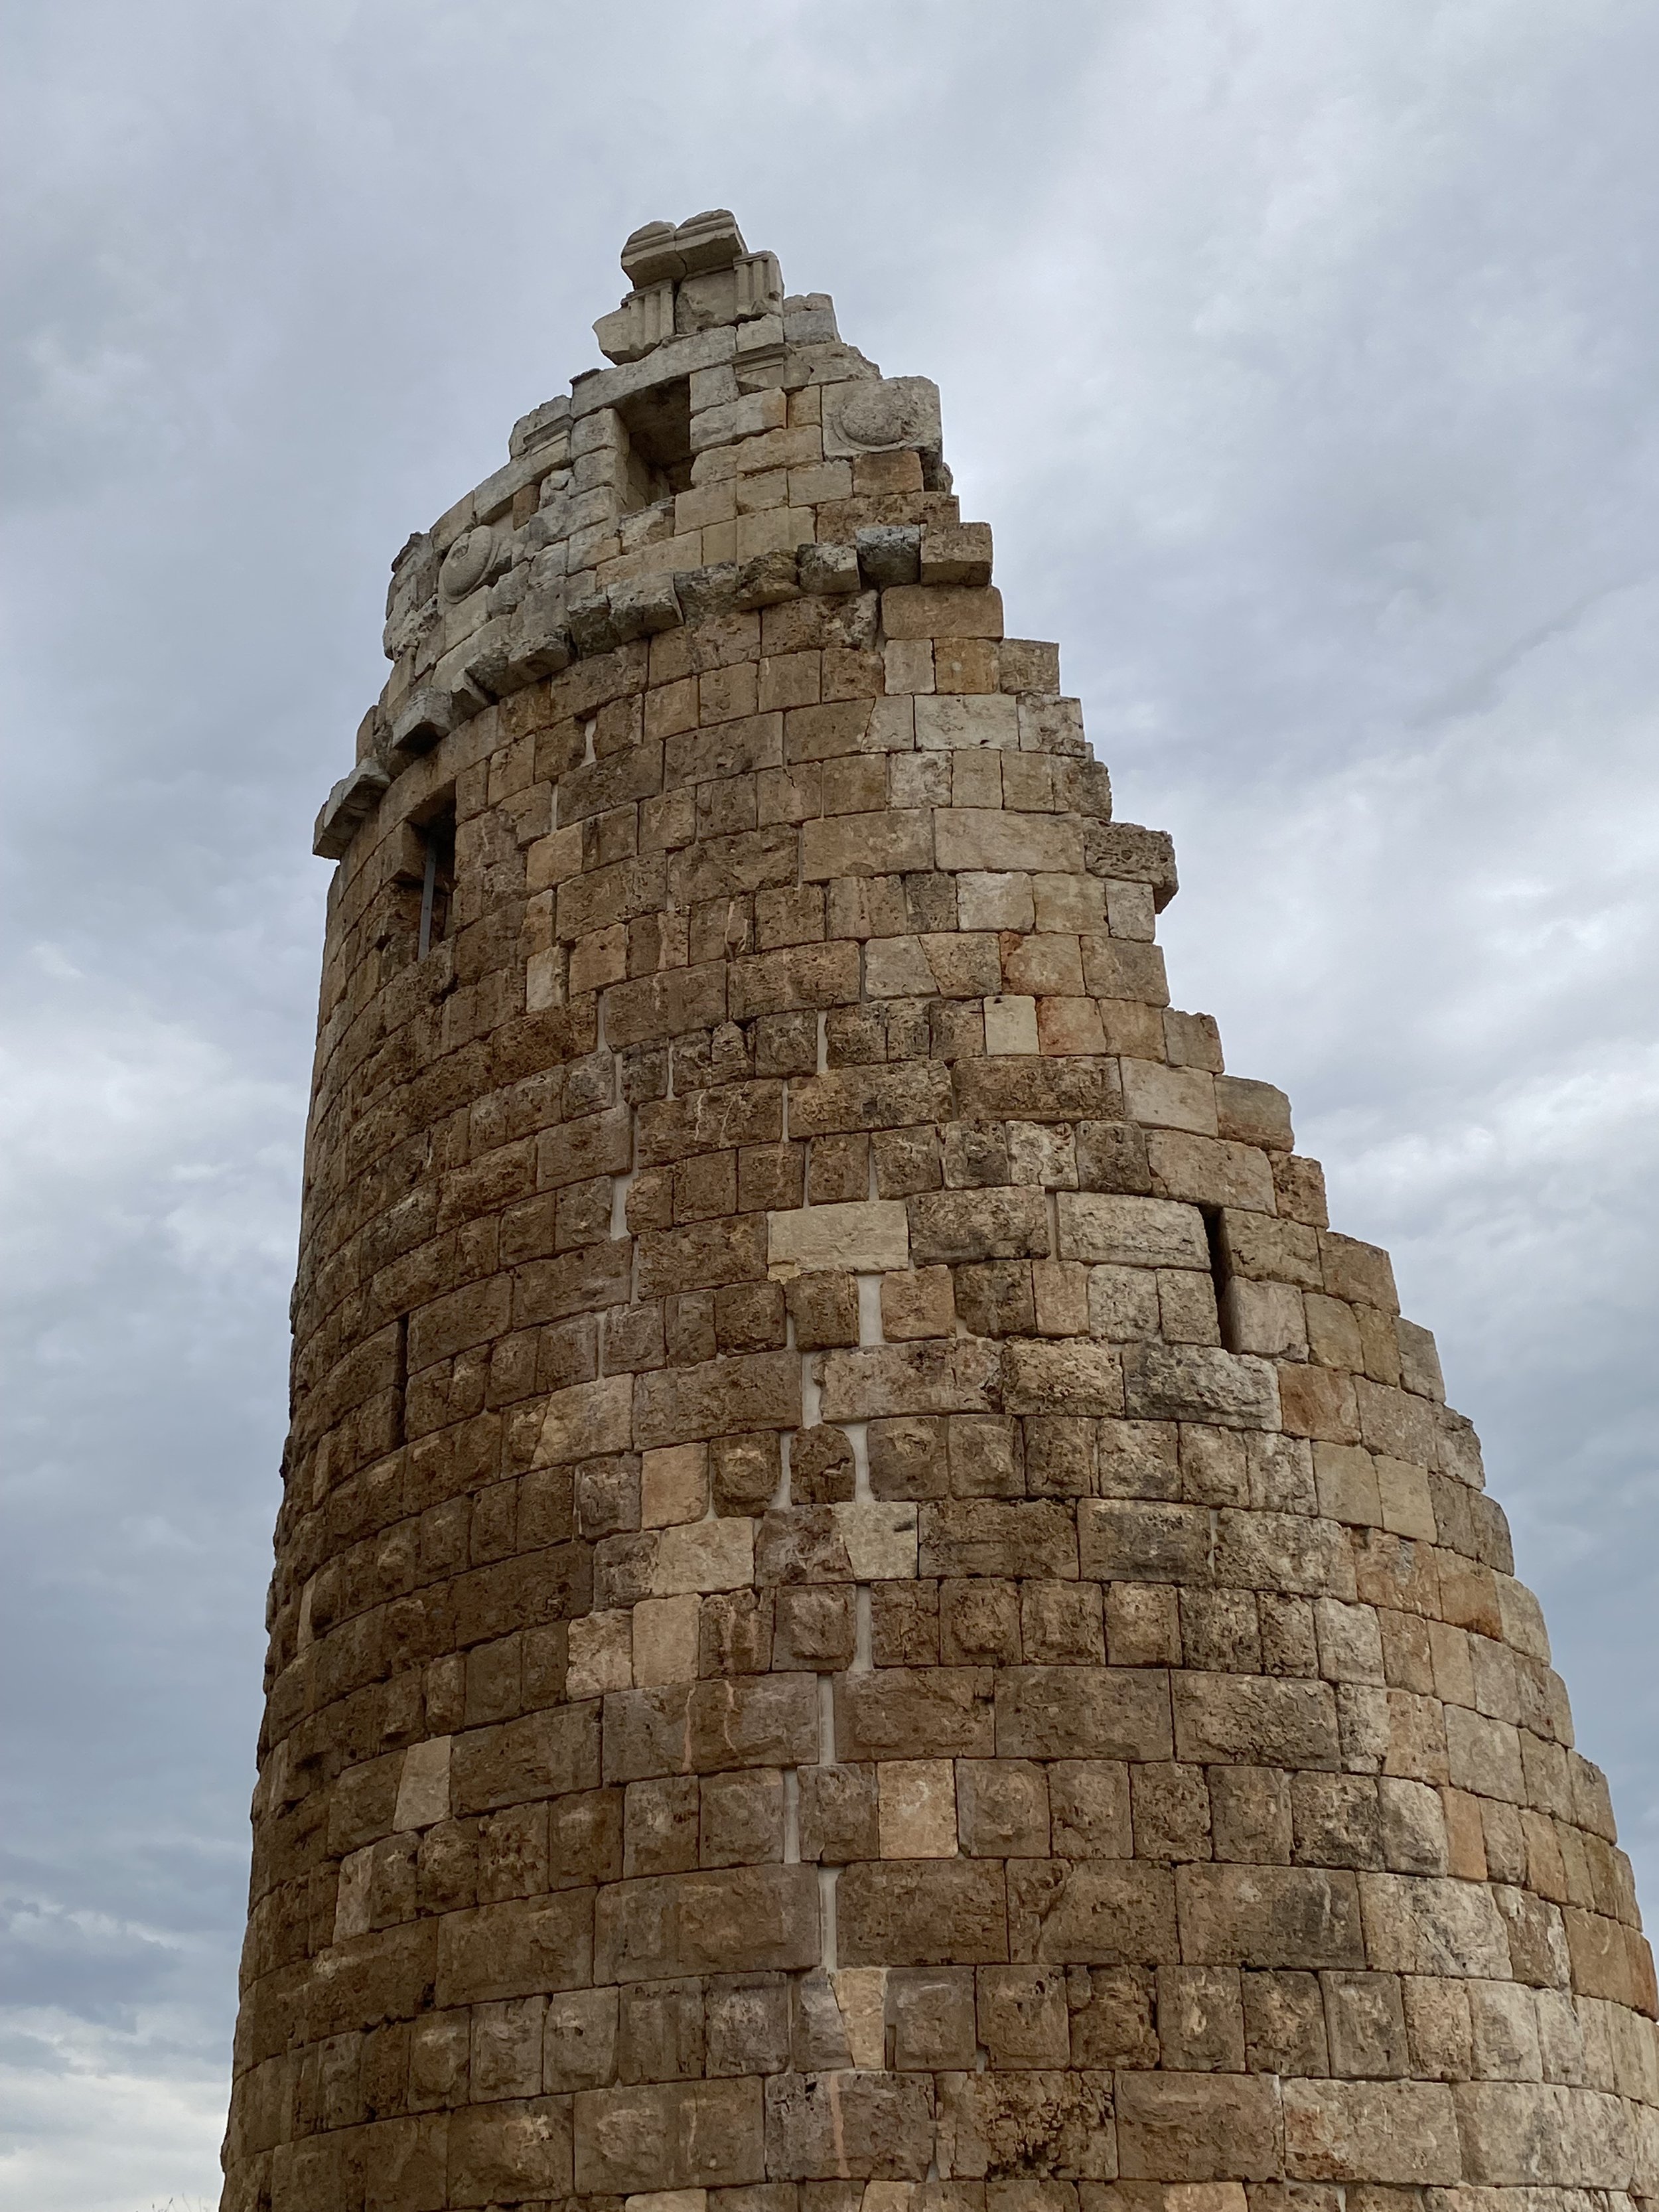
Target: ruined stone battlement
x=872, y=1613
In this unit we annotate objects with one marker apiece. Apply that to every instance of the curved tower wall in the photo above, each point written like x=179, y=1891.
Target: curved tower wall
x=871, y=1612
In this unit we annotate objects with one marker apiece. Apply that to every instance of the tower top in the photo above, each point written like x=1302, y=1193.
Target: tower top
x=584, y=539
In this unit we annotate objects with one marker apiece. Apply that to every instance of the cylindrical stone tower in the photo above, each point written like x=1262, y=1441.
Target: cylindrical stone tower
x=872, y=1613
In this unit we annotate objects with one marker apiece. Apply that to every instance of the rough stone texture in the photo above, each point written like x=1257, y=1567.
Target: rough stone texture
x=871, y=1612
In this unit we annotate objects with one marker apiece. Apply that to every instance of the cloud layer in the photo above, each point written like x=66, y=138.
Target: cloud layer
x=1303, y=360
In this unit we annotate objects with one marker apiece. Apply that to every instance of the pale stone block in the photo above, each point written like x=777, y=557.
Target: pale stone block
x=1345, y=1477
x=1104, y=1228
x=828, y=568
x=1414, y=1827
x=861, y=1994
x=1072, y=1376
x=1070, y=904
x=897, y=968
x=958, y=554
x=747, y=417
x=916, y=1815
x=879, y=1537
x=1043, y=1154
x=1059, y=1292
x=705, y=1555
x=668, y=2200
x=976, y=777
x=917, y=1304
x=1122, y=1303
x=600, y=1654
x=1169, y=1098
x=893, y=726
x=779, y=530
x=1350, y=1641
x=756, y=493
x=878, y=415
x=695, y=509
x=971, y=837
x=352, y=1902
x=587, y=1420
x=666, y=1639
x=869, y=1235
x=908, y=664
x=1407, y=1507
x=824, y=480
x=673, y=1485
x=999, y=901
x=950, y=720
x=1130, y=911
x=423, y=1785
x=1011, y=1025
x=1264, y=1317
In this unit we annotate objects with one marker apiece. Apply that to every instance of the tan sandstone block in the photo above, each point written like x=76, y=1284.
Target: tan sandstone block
x=666, y=1637
x=673, y=1485
x=1403, y=2132
x=916, y=1814
x=869, y=1235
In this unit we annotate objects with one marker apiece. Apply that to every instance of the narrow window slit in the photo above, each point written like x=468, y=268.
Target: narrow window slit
x=1221, y=1274
x=437, y=835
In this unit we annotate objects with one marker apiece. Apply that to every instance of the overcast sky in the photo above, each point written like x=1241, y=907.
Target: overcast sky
x=1304, y=357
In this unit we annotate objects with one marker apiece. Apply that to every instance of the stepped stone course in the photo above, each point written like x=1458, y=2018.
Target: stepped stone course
x=872, y=1613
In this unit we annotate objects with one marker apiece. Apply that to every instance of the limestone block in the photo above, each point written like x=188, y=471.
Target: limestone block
x=914, y=1712
x=685, y=1405
x=1073, y=1376
x=881, y=414
x=934, y=610
x=933, y=1377
x=1102, y=1228
x=1192, y=1382
x=1540, y=2134
x=916, y=1817
x=353, y=799
x=1269, y=1916
x=1196, y=2128
x=1433, y=1927
x=951, y=1226
x=869, y=1235
x=1010, y=1024
x=539, y=642
x=949, y=722
x=673, y=1482
x=1082, y=1713
x=918, y=1913
x=917, y=1304
x=643, y=605
x=825, y=2125
x=958, y=554
x=644, y=321
x=1268, y=1319
x=887, y=553
x=601, y=1654
x=1025, y=2123
x=650, y=256
x=829, y=569
x=669, y=2136
x=997, y=841
x=704, y=1555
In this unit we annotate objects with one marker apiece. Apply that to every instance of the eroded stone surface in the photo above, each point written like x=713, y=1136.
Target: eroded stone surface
x=872, y=1614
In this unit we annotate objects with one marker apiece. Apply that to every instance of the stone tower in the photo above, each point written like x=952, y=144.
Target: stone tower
x=871, y=1612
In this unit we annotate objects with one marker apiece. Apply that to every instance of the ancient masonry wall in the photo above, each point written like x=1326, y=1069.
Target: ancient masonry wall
x=871, y=1612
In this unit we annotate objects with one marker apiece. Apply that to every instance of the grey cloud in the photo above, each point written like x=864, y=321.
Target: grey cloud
x=1303, y=360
